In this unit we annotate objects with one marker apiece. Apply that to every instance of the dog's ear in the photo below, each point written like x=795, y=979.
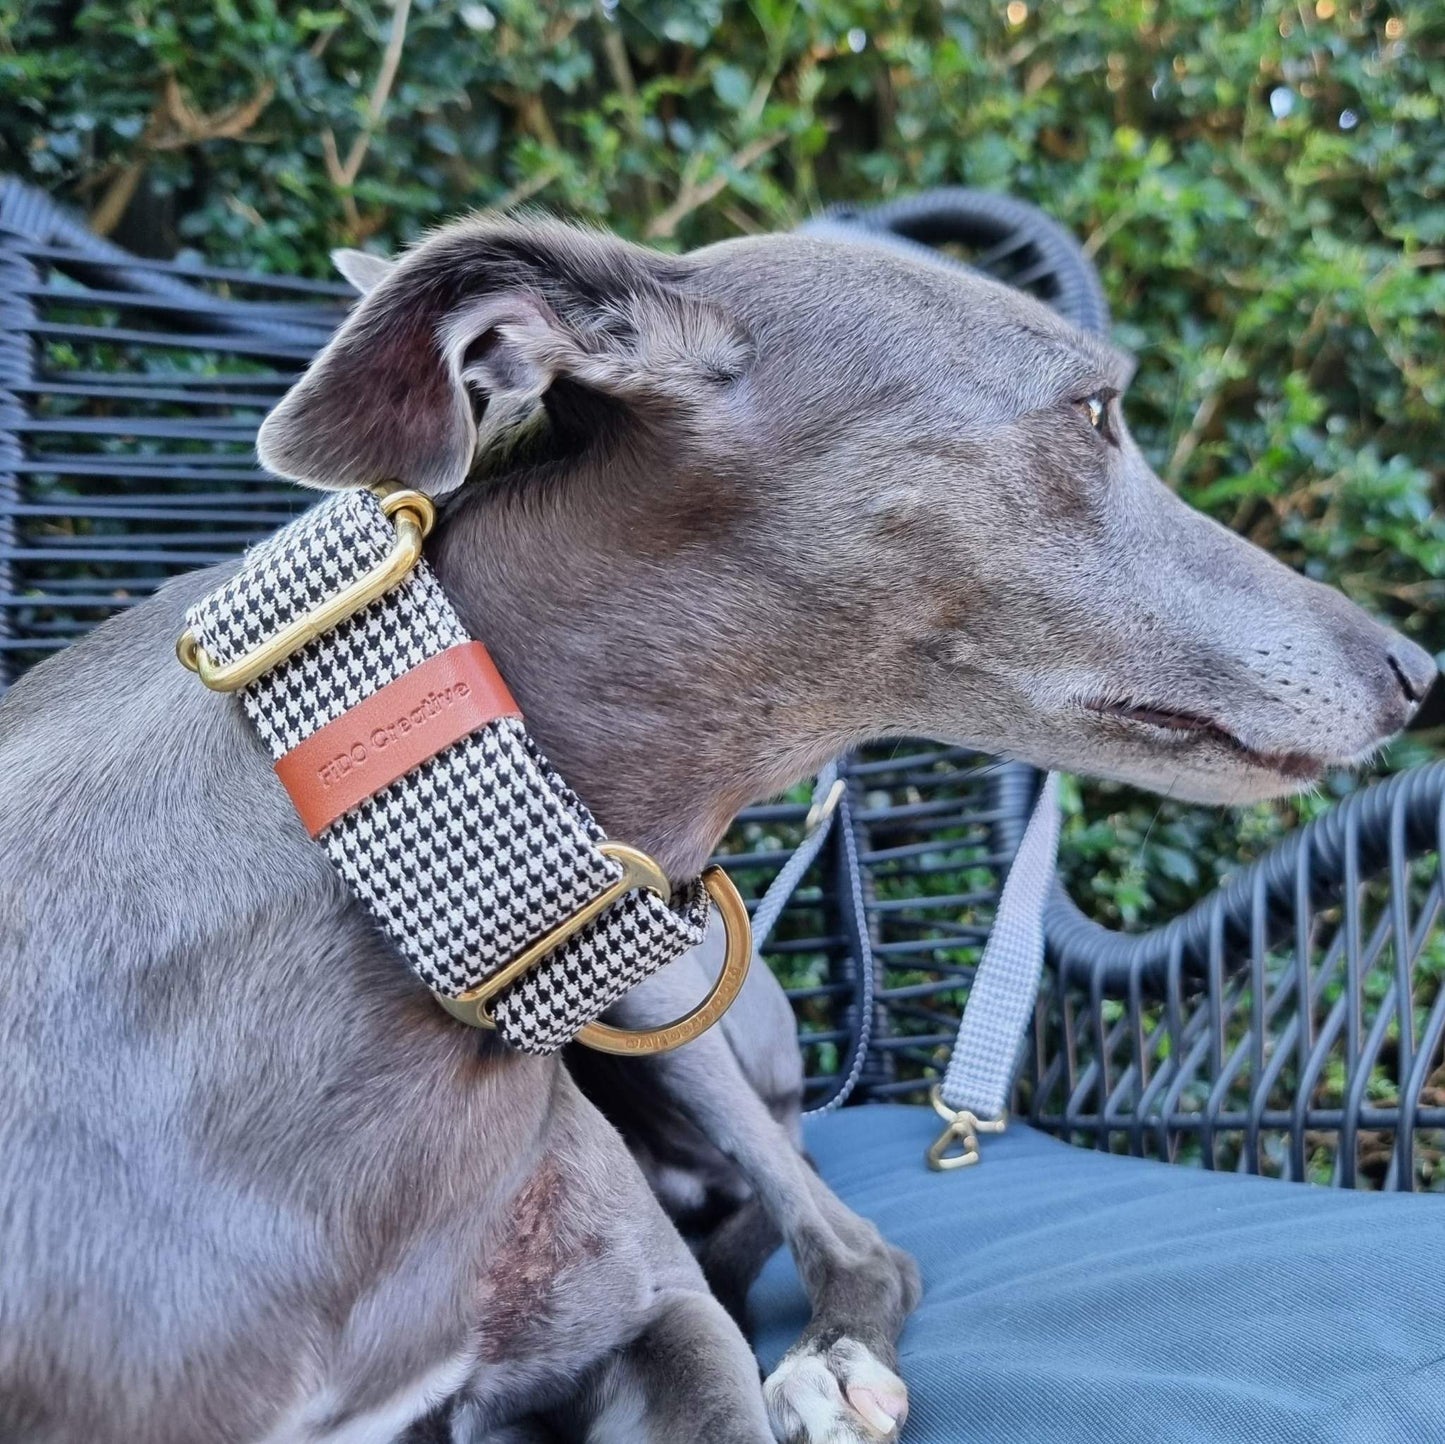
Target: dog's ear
x=454, y=349
x=365, y=271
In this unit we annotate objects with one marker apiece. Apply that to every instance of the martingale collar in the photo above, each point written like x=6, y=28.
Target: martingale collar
x=409, y=762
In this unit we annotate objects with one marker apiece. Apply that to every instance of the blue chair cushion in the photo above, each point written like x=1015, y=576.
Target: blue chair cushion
x=1078, y=1297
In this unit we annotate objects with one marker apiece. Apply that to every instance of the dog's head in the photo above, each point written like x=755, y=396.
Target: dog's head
x=869, y=496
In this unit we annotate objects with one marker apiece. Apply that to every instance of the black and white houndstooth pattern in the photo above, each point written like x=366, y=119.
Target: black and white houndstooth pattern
x=477, y=852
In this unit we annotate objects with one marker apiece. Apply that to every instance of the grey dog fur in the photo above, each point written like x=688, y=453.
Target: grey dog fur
x=719, y=518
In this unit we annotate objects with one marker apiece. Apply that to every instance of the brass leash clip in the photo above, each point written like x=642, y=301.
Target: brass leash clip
x=957, y=1145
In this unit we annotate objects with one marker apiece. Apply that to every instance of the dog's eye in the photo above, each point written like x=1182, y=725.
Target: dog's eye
x=1095, y=410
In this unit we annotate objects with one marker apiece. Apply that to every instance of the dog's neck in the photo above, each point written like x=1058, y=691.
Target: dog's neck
x=657, y=678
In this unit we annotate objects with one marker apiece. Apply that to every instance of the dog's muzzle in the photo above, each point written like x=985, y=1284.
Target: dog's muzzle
x=409, y=762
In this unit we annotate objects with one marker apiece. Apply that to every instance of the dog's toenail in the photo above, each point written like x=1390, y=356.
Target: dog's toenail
x=870, y=1408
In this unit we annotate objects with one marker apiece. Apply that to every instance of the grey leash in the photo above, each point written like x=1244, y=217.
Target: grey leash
x=827, y=794
x=829, y=802
x=974, y=1094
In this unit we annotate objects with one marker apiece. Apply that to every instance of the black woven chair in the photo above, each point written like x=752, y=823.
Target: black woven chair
x=1290, y=1024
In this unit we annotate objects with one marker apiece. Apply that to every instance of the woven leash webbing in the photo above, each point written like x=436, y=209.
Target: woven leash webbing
x=478, y=851
x=980, y=1074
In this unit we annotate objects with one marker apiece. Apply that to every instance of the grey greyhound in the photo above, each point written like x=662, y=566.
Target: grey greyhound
x=718, y=518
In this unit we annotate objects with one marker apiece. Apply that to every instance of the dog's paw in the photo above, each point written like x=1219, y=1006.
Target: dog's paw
x=840, y=1395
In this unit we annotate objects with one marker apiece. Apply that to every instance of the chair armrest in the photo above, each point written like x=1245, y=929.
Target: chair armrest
x=1289, y=1023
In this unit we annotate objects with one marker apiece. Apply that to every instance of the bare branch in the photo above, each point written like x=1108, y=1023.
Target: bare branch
x=106, y=216
x=520, y=194
x=343, y=174
x=173, y=124
x=695, y=194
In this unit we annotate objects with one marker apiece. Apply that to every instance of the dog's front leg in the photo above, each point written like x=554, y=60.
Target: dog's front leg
x=837, y=1385
x=595, y=1322
x=689, y=1376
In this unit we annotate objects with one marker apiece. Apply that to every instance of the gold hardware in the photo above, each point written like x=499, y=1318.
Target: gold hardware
x=412, y=514
x=963, y=1130
x=737, y=958
x=639, y=870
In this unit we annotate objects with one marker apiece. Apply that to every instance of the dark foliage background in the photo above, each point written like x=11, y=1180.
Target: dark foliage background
x=1262, y=185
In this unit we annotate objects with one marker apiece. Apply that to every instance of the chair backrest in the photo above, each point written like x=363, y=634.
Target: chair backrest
x=1291, y=1023
x=130, y=394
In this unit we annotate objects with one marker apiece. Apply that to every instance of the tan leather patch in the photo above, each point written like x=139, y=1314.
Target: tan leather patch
x=394, y=730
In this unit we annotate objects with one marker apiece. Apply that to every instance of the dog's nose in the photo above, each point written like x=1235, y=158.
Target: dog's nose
x=1414, y=670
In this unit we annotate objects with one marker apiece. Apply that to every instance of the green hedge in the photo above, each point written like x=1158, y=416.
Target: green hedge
x=1263, y=187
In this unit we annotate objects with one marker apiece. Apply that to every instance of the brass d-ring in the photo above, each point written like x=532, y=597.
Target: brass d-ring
x=411, y=515
x=737, y=955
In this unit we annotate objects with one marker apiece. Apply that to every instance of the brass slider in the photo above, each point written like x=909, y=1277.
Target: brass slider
x=638, y=870
x=412, y=515
x=957, y=1145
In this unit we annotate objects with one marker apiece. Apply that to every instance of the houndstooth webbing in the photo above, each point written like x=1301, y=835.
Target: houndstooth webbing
x=980, y=1074
x=477, y=852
